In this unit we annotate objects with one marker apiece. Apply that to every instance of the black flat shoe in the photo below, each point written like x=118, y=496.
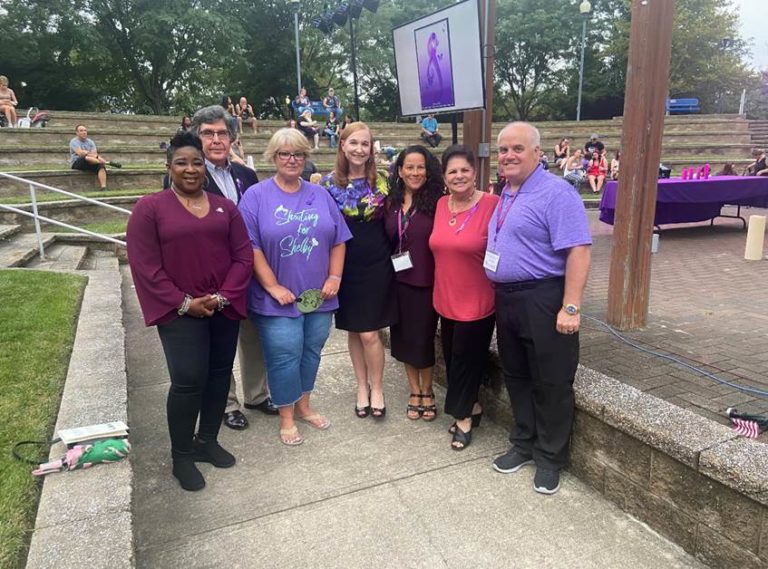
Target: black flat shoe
x=266, y=407
x=213, y=453
x=462, y=438
x=236, y=420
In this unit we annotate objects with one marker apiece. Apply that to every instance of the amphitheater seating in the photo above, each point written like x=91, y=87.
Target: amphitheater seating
x=134, y=140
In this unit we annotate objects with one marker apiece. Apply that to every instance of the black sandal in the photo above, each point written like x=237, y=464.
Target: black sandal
x=418, y=409
x=432, y=409
x=476, y=419
x=464, y=439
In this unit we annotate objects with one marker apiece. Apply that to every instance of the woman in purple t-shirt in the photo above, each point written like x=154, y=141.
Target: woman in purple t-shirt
x=191, y=264
x=298, y=237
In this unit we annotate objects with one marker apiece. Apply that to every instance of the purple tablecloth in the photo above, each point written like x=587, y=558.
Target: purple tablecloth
x=687, y=201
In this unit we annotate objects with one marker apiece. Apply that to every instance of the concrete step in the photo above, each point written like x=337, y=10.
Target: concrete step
x=100, y=261
x=8, y=231
x=22, y=248
x=70, y=180
x=60, y=257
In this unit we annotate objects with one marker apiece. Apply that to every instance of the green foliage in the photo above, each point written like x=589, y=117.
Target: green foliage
x=38, y=316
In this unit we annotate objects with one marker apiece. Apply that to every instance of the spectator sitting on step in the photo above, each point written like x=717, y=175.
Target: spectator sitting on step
x=759, y=167
x=573, y=169
x=332, y=103
x=429, y=130
x=597, y=170
x=8, y=102
x=562, y=150
x=83, y=155
x=246, y=114
x=615, y=165
x=543, y=160
x=236, y=152
x=301, y=102
x=186, y=123
x=593, y=144
x=229, y=106
x=331, y=129
x=310, y=127
x=727, y=170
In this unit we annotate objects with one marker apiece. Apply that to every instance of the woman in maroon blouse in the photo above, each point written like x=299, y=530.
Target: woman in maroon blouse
x=191, y=263
x=415, y=186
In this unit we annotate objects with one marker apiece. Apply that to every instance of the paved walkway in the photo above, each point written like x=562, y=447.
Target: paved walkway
x=363, y=494
x=707, y=304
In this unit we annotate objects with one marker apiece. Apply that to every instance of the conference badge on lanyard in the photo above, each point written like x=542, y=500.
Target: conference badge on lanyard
x=491, y=260
x=402, y=260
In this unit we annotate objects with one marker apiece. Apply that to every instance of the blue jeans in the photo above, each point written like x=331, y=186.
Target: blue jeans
x=332, y=135
x=292, y=349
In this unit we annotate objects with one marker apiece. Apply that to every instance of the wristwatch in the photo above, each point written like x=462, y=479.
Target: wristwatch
x=571, y=309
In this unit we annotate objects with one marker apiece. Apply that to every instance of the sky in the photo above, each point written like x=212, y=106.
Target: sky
x=754, y=24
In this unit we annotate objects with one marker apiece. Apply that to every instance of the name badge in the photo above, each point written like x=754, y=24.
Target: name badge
x=491, y=261
x=402, y=261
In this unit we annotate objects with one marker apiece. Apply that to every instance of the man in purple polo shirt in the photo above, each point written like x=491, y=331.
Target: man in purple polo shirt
x=538, y=254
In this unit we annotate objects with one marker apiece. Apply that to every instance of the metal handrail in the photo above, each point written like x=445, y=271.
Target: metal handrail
x=37, y=217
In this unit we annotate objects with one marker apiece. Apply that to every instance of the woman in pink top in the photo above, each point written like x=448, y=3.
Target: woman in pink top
x=463, y=295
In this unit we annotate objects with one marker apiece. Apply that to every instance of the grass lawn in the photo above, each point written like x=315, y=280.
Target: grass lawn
x=103, y=227
x=39, y=316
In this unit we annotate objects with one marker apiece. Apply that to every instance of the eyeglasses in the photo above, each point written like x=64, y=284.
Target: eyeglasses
x=286, y=156
x=211, y=134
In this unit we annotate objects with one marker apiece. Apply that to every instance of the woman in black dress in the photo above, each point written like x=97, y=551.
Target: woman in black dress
x=415, y=186
x=367, y=299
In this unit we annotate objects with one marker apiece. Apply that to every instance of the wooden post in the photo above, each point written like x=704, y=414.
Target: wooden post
x=650, y=45
x=478, y=124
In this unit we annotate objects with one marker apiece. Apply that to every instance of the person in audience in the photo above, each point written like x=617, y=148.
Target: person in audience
x=229, y=106
x=543, y=160
x=8, y=102
x=760, y=166
x=245, y=112
x=594, y=143
x=367, y=297
x=186, y=123
x=346, y=120
x=562, y=151
x=236, y=152
x=538, y=295
x=315, y=178
x=83, y=155
x=615, y=165
x=301, y=102
x=429, y=131
x=331, y=129
x=573, y=169
x=727, y=170
x=309, y=170
x=597, y=169
x=415, y=186
x=463, y=295
x=310, y=128
x=298, y=238
x=191, y=265
x=229, y=179
x=331, y=102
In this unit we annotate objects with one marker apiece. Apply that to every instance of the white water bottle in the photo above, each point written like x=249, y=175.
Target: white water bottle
x=249, y=162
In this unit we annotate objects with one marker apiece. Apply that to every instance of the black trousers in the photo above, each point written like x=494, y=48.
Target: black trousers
x=465, y=348
x=199, y=353
x=539, y=367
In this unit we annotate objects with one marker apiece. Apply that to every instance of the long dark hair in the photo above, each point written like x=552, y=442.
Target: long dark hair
x=425, y=200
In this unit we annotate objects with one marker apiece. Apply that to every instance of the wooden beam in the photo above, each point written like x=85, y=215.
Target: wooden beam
x=478, y=124
x=650, y=45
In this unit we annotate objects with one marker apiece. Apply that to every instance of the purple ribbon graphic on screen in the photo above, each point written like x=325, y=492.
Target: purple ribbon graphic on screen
x=434, y=62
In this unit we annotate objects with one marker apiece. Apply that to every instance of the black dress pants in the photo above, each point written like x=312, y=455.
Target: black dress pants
x=465, y=348
x=539, y=367
x=199, y=353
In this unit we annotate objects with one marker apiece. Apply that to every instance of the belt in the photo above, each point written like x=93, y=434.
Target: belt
x=524, y=285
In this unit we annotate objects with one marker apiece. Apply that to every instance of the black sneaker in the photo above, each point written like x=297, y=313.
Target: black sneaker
x=511, y=462
x=212, y=452
x=546, y=481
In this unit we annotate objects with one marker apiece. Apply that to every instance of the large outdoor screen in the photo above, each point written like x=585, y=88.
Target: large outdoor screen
x=439, y=63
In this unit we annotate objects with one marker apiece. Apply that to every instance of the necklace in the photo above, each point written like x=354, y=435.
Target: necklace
x=189, y=203
x=455, y=214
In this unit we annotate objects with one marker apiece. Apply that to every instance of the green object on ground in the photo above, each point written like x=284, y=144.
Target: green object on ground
x=38, y=315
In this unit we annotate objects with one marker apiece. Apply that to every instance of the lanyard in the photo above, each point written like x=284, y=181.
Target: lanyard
x=402, y=227
x=466, y=219
x=501, y=217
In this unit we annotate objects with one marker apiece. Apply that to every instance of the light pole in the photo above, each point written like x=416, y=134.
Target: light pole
x=584, y=9
x=296, y=4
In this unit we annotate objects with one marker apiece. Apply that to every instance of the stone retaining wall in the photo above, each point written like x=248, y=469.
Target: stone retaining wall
x=689, y=478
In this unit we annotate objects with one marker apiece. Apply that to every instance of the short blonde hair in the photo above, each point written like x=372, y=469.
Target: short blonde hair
x=315, y=178
x=3, y=80
x=289, y=137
